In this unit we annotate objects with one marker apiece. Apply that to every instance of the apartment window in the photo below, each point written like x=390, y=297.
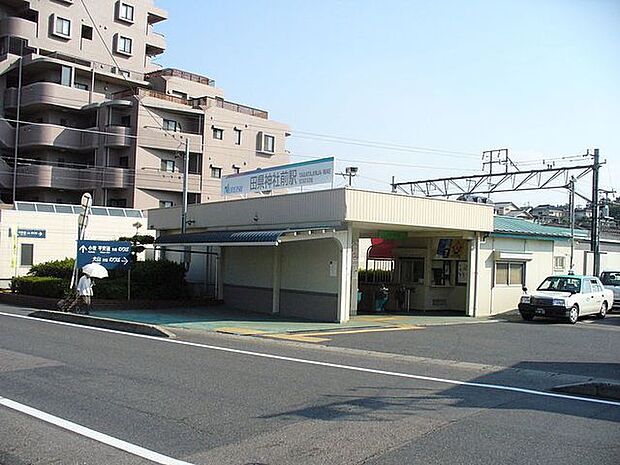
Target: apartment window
x=237, y=133
x=124, y=45
x=270, y=143
x=165, y=203
x=218, y=133
x=81, y=86
x=123, y=162
x=216, y=172
x=62, y=27
x=66, y=76
x=170, y=125
x=559, y=263
x=509, y=273
x=118, y=203
x=126, y=121
x=26, y=255
x=125, y=12
x=167, y=165
x=193, y=198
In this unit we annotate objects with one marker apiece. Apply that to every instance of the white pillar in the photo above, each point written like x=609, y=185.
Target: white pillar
x=355, y=240
x=275, y=305
x=473, y=276
x=344, y=275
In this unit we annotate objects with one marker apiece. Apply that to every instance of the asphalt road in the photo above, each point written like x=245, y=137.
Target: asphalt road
x=234, y=400
x=589, y=348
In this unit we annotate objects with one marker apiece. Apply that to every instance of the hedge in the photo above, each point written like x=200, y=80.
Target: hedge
x=55, y=269
x=42, y=286
x=150, y=279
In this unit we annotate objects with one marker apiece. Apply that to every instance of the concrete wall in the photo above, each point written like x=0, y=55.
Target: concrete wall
x=308, y=289
x=309, y=278
x=247, y=274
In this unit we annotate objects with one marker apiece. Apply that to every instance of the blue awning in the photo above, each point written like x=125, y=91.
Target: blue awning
x=223, y=238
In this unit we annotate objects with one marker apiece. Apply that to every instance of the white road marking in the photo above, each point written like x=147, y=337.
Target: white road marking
x=92, y=434
x=497, y=387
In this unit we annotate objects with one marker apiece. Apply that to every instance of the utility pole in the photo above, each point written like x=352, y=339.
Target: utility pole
x=571, y=187
x=185, y=176
x=595, y=229
x=18, y=117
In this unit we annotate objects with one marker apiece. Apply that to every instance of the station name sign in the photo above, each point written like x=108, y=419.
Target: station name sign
x=307, y=173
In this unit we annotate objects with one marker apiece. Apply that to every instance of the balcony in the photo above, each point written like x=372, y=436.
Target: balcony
x=50, y=93
x=56, y=136
x=152, y=178
x=210, y=102
x=117, y=136
x=155, y=42
x=7, y=135
x=156, y=138
x=18, y=27
x=88, y=177
x=156, y=14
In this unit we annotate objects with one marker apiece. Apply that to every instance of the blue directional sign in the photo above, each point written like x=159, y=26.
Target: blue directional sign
x=31, y=233
x=109, y=254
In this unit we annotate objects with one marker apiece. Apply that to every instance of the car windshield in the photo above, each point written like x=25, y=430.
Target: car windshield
x=611, y=278
x=561, y=284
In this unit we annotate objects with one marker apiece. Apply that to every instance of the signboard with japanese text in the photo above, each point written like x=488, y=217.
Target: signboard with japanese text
x=31, y=233
x=109, y=254
x=307, y=173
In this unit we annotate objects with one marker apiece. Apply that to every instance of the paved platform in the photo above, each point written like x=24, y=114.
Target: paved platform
x=226, y=320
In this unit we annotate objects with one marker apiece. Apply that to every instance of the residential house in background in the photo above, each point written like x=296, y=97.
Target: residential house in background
x=510, y=209
x=99, y=115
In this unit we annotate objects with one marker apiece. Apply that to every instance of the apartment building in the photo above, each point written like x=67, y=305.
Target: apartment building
x=97, y=114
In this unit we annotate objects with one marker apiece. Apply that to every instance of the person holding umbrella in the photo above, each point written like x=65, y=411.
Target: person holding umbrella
x=85, y=286
x=85, y=293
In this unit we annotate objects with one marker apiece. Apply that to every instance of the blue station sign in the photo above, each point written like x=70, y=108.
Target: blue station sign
x=31, y=233
x=109, y=254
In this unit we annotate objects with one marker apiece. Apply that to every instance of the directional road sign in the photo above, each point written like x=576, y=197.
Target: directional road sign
x=109, y=254
x=31, y=233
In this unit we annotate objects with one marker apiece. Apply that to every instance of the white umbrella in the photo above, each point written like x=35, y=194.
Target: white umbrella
x=95, y=270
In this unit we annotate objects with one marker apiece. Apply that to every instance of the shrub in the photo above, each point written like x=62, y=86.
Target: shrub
x=55, y=269
x=45, y=286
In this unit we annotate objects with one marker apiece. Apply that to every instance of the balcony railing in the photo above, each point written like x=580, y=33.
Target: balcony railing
x=209, y=102
x=73, y=177
x=183, y=75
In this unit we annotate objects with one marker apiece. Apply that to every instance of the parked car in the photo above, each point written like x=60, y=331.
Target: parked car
x=611, y=280
x=569, y=296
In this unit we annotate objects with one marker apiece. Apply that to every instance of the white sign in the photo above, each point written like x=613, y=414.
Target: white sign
x=308, y=173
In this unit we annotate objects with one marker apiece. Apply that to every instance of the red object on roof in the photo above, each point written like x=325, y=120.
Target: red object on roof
x=381, y=249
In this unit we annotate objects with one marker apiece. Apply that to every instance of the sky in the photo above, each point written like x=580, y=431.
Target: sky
x=539, y=77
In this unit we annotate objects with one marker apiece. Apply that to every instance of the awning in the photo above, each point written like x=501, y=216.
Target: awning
x=223, y=238
x=381, y=249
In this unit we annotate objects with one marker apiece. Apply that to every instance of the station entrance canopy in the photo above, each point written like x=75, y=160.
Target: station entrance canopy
x=237, y=238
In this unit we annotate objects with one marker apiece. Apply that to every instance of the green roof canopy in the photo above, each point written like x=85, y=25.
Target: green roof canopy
x=508, y=225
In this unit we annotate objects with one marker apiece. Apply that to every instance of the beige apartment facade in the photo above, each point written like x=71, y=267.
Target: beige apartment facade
x=98, y=115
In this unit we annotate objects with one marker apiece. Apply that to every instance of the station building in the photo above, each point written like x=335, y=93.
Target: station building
x=325, y=255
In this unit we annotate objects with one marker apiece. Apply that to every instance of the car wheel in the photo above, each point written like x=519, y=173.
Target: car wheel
x=603, y=311
x=573, y=314
x=527, y=317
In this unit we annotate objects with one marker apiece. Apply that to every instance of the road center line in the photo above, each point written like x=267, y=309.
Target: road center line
x=497, y=387
x=92, y=434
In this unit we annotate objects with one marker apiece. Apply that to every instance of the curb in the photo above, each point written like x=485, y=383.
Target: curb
x=106, y=323
x=594, y=389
